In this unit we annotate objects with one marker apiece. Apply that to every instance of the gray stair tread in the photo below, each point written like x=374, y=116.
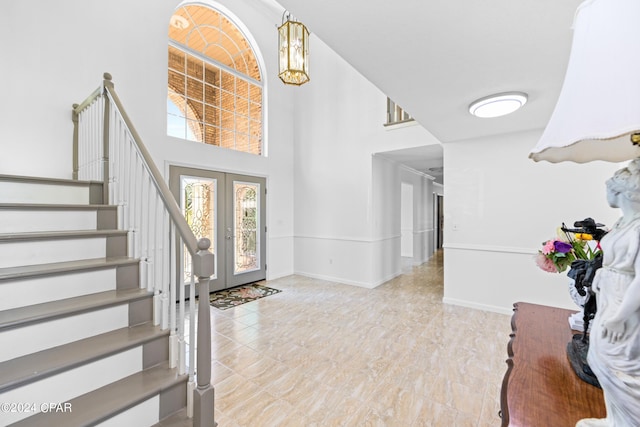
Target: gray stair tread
x=43, y=180
x=36, y=366
x=62, y=267
x=23, y=316
x=70, y=234
x=103, y=403
x=179, y=419
x=60, y=207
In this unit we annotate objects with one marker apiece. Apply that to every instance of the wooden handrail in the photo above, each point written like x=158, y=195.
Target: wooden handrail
x=163, y=189
x=203, y=260
x=77, y=108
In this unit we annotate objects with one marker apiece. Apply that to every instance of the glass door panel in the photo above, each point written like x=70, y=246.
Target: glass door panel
x=246, y=229
x=200, y=194
x=246, y=254
x=198, y=204
x=229, y=210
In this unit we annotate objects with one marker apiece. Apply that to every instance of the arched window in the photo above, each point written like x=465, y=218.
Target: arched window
x=215, y=86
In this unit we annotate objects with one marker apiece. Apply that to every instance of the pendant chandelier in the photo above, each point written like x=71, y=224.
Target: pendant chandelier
x=293, y=42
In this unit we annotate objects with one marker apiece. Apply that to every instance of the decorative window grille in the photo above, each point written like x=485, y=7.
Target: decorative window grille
x=198, y=199
x=215, y=89
x=246, y=225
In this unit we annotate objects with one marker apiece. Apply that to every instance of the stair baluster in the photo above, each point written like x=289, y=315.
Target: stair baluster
x=108, y=148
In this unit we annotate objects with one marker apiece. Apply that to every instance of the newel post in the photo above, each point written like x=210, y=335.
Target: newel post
x=74, y=117
x=107, y=83
x=203, y=265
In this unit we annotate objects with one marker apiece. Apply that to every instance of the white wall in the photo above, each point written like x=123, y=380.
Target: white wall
x=59, y=52
x=499, y=207
x=386, y=213
x=422, y=229
x=347, y=212
x=406, y=219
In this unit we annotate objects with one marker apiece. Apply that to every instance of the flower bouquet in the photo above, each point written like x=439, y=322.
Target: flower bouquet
x=569, y=245
x=577, y=248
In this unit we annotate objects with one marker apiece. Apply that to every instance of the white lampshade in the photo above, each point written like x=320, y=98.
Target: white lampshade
x=599, y=106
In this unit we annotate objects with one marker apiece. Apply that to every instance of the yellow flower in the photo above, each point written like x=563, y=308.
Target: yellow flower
x=584, y=236
x=563, y=236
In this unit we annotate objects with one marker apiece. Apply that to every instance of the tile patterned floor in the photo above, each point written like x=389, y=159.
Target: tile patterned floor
x=326, y=354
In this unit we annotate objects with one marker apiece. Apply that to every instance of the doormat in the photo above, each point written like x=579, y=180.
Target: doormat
x=229, y=298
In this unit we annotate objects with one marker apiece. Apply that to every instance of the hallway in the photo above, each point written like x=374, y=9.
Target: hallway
x=326, y=354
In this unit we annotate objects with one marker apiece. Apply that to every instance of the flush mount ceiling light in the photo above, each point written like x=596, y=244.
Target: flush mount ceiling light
x=498, y=105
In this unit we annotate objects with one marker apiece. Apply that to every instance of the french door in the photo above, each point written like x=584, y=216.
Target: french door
x=229, y=210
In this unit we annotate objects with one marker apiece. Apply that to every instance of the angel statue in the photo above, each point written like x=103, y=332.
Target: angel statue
x=614, y=343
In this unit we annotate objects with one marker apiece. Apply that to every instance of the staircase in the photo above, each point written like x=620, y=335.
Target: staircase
x=92, y=313
x=77, y=342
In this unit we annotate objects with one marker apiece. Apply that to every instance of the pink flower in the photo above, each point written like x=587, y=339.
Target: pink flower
x=545, y=263
x=548, y=247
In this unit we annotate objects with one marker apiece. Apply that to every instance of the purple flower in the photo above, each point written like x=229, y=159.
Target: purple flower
x=562, y=247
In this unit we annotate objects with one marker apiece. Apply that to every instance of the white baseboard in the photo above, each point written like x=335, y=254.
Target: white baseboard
x=348, y=282
x=483, y=307
x=335, y=279
x=386, y=279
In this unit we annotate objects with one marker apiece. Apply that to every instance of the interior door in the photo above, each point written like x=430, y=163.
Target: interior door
x=439, y=221
x=229, y=209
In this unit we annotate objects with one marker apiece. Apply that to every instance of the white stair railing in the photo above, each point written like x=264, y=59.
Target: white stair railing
x=108, y=148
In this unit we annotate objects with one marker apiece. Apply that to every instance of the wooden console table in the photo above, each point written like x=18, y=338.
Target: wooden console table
x=540, y=389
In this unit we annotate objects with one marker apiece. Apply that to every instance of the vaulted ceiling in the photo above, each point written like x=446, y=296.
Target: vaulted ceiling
x=441, y=55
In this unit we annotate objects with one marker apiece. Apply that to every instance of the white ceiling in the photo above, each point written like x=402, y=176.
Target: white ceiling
x=440, y=55
x=426, y=159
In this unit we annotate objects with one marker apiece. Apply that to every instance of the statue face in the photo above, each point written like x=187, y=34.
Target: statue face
x=613, y=197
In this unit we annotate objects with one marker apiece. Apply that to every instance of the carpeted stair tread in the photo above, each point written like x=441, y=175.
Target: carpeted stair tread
x=112, y=399
x=36, y=366
x=22, y=316
x=64, y=267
